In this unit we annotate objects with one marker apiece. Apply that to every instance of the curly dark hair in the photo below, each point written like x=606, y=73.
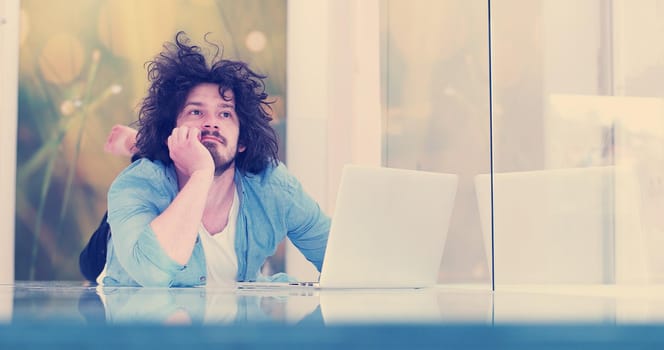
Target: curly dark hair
x=180, y=67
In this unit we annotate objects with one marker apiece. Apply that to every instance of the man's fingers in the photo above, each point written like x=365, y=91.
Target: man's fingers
x=182, y=133
x=184, y=136
x=178, y=136
x=195, y=134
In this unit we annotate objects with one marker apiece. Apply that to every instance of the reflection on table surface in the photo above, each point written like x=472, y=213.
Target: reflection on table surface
x=70, y=315
x=76, y=303
x=72, y=302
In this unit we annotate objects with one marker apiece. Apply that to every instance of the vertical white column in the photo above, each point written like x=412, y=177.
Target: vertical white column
x=355, y=122
x=334, y=110
x=307, y=108
x=9, y=15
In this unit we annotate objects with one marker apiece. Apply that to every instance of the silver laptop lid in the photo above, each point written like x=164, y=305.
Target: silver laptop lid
x=389, y=228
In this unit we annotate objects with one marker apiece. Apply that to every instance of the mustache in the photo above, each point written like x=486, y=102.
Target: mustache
x=213, y=133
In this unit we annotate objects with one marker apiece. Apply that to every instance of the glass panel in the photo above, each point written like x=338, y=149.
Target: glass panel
x=435, y=70
x=575, y=159
x=639, y=142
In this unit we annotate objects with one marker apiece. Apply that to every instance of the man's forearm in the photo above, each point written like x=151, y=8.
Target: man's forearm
x=177, y=227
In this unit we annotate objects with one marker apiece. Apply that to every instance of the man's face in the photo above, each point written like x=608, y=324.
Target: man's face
x=215, y=116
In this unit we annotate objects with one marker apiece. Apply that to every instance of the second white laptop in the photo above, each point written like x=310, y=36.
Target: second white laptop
x=388, y=230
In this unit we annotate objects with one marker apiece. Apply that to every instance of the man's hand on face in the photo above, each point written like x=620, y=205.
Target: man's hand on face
x=188, y=153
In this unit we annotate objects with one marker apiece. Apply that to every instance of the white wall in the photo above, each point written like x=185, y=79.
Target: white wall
x=334, y=114
x=9, y=10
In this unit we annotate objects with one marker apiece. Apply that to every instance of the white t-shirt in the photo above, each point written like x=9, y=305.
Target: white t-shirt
x=219, y=249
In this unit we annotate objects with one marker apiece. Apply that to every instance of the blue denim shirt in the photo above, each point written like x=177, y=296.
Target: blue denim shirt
x=273, y=205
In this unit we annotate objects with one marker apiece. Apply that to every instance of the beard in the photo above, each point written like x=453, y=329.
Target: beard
x=220, y=164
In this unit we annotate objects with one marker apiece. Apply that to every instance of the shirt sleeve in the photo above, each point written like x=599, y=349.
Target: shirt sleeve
x=134, y=199
x=308, y=225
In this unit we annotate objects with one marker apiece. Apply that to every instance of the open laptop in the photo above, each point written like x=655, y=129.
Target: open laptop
x=388, y=230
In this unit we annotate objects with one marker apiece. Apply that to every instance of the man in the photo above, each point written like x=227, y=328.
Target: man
x=208, y=200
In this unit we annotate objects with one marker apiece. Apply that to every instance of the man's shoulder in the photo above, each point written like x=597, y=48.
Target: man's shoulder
x=273, y=175
x=144, y=170
x=145, y=167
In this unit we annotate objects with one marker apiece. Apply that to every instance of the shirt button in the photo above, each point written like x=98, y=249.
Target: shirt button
x=203, y=278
